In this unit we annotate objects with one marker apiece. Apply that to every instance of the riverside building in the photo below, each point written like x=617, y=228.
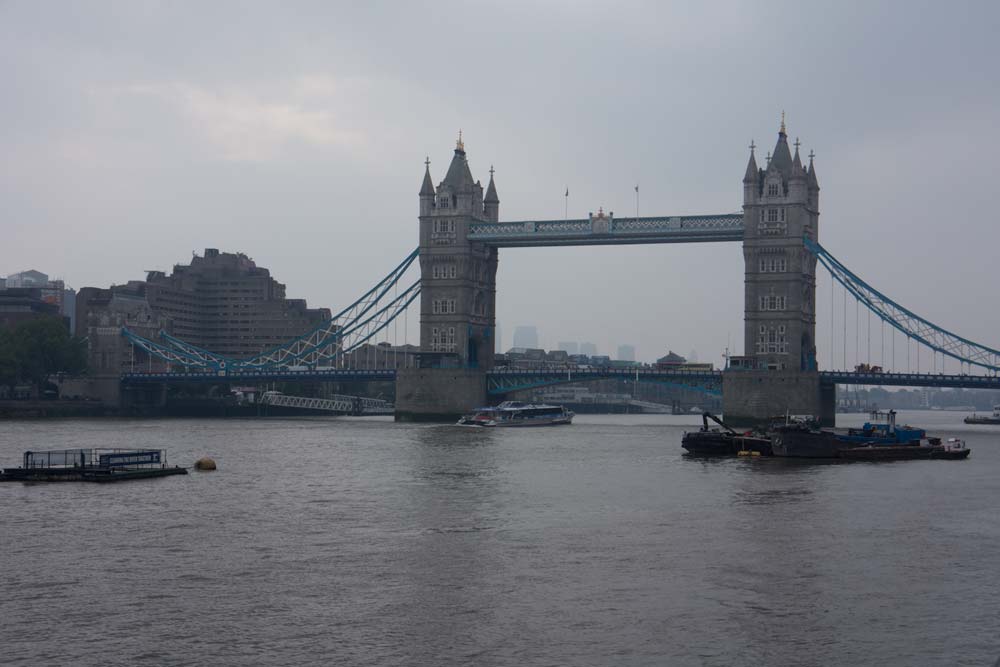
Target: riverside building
x=221, y=301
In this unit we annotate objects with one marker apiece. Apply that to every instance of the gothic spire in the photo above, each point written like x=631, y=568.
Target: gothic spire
x=459, y=178
x=781, y=158
x=811, y=180
x=797, y=170
x=752, y=171
x=491, y=191
x=427, y=189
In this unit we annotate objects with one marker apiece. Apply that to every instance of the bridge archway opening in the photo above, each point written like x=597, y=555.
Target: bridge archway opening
x=657, y=297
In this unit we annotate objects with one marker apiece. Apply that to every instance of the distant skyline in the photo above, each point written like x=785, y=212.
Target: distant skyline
x=525, y=336
x=137, y=132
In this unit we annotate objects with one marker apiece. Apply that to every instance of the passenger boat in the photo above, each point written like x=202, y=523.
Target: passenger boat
x=724, y=441
x=516, y=413
x=985, y=419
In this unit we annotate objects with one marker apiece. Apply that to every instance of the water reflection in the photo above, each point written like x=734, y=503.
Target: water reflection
x=456, y=506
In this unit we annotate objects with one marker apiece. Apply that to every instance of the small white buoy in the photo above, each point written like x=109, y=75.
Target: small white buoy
x=204, y=463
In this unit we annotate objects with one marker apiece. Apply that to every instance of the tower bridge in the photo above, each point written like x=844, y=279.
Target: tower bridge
x=460, y=234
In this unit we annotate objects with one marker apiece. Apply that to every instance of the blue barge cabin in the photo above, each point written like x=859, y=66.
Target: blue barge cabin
x=91, y=465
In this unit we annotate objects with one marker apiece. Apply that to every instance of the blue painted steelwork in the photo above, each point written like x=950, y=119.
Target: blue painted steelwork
x=321, y=343
x=172, y=355
x=501, y=381
x=506, y=380
x=912, y=380
x=608, y=231
x=275, y=375
x=906, y=321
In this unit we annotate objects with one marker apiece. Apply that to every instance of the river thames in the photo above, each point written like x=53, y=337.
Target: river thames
x=364, y=542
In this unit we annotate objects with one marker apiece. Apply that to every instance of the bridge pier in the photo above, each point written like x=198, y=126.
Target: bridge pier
x=143, y=398
x=751, y=398
x=438, y=394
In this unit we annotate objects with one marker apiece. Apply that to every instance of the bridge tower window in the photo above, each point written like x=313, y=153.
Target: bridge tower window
x=772, y=189
x=773, y=265
x=772, y=302
x=771, y=340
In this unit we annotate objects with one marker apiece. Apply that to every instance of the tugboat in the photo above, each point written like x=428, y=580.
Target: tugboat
x=709, y=441
x=516, y=413
x=985, y=419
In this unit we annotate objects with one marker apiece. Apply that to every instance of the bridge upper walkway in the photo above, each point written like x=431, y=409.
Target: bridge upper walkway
x=610, y=231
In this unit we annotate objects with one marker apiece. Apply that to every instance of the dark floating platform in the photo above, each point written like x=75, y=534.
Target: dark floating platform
x=91, y=465
x=904, y=453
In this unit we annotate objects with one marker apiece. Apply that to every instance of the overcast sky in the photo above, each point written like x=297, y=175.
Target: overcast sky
x=134, y=133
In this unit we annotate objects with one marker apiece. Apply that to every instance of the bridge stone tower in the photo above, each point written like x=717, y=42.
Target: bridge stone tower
x=457, y=296
x=457, y=277
x=780, y=208
x=778, y=373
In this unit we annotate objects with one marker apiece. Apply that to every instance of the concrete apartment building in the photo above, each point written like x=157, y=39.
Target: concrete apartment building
x=225, y=303
x=221, y=301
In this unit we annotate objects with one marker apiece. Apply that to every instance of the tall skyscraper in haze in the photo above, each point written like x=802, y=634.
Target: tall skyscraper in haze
x=626, y=352
x=525, y=336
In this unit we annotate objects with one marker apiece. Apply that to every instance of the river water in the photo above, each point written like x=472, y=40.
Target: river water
x=364, y=542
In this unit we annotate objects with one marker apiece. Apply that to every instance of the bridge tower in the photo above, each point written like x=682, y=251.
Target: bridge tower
x=778, y=373
x=780, y=208
x=457, y=296
x=457, y=277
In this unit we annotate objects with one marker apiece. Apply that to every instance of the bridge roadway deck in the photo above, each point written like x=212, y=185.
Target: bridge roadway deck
x=506, y=379
x=608, y=231
x=913, y=379
x=320, y=375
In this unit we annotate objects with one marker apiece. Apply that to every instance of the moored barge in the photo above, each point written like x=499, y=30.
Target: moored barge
x=880, y=439
x=91, y=465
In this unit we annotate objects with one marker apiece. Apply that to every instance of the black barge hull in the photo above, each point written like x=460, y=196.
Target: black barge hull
x=98, y=475
x=712, y=443
x=801, y=443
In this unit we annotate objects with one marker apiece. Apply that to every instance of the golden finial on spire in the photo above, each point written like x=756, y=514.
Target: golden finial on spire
x=460, y=145
x=782, y=130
